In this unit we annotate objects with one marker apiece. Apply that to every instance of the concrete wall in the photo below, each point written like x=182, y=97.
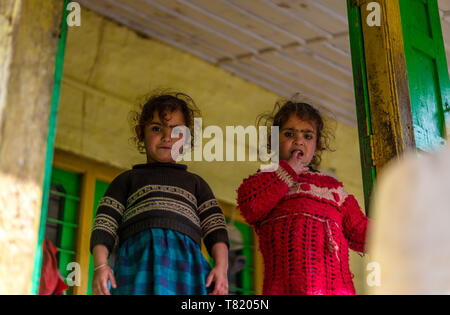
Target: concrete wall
x=108, y=68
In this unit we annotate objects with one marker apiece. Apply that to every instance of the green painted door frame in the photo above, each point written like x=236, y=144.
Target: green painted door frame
x=59, y=63
x=400, y=72
x=362, y=100
x=428, y=76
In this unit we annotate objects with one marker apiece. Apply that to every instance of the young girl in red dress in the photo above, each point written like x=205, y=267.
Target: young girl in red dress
x=305, y=220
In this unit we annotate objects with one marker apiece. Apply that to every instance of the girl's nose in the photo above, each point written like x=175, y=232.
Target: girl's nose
x=298, y=140
x=166, y=136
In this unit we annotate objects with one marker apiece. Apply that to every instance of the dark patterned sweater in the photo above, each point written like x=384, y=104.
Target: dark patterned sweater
x=158, y=195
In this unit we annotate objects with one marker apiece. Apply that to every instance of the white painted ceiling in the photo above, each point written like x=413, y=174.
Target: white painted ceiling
x=286, y=46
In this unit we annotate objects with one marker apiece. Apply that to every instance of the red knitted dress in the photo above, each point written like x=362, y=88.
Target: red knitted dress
x=305, y=225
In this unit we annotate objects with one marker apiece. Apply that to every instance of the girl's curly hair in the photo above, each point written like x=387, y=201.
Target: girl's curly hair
x=284, y=108
x=161, y=102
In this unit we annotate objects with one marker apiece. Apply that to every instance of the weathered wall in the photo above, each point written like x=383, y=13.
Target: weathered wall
x=28, y=42
x=109, y=67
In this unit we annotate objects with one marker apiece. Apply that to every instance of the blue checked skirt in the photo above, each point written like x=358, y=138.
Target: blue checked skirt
x=161, y=262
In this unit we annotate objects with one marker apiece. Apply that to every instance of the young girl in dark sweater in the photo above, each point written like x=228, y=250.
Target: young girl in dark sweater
x=157, y=213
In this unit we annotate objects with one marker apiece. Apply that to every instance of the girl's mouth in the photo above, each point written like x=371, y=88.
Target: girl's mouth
x=299, y=153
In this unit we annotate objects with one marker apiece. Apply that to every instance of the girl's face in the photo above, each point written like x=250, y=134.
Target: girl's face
x=298, y=137
x=157, y=136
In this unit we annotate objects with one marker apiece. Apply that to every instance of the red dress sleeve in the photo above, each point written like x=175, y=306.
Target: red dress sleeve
x=261, y=192
x=354, y=224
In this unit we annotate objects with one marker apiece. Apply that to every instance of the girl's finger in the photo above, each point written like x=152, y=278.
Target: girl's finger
x=98, y=290
x=209, y=279
x=225, y=288
x=105, y=287
x=96, y=287
x=223, y=291
x=113, y=280
x=219, y=287
x=296, y=154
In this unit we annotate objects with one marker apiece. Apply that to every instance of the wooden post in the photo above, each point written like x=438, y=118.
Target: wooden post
x=84, y=227
x=258, y=266
x=390, y=104
x=381, y=86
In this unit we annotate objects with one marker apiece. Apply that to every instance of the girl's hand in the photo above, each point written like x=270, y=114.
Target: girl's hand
x=219, y=276
x=295, y=161
x=100, y=281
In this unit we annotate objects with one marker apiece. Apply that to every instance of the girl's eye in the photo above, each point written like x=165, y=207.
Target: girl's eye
x=288, y=134
x=308, y=137
x=155, y=129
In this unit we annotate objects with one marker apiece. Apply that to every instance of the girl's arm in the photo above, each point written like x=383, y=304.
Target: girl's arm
x=212, y=220
x=104, y=234
x=354, y=224
x=215, y=236
x=109, y=214
x=219, y=272
x=102, y=271
x=261, y=192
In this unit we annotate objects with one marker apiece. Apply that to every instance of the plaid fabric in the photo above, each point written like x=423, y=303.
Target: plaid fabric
x=162, y=262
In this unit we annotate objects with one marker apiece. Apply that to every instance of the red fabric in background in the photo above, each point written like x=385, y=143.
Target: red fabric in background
x=51, y=282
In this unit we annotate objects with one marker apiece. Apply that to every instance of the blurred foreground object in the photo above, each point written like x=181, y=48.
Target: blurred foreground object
x=410, y=235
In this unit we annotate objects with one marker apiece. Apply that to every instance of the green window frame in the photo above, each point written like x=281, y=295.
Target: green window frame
x=65, y=187
x=242, y=283
x=362, y=100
